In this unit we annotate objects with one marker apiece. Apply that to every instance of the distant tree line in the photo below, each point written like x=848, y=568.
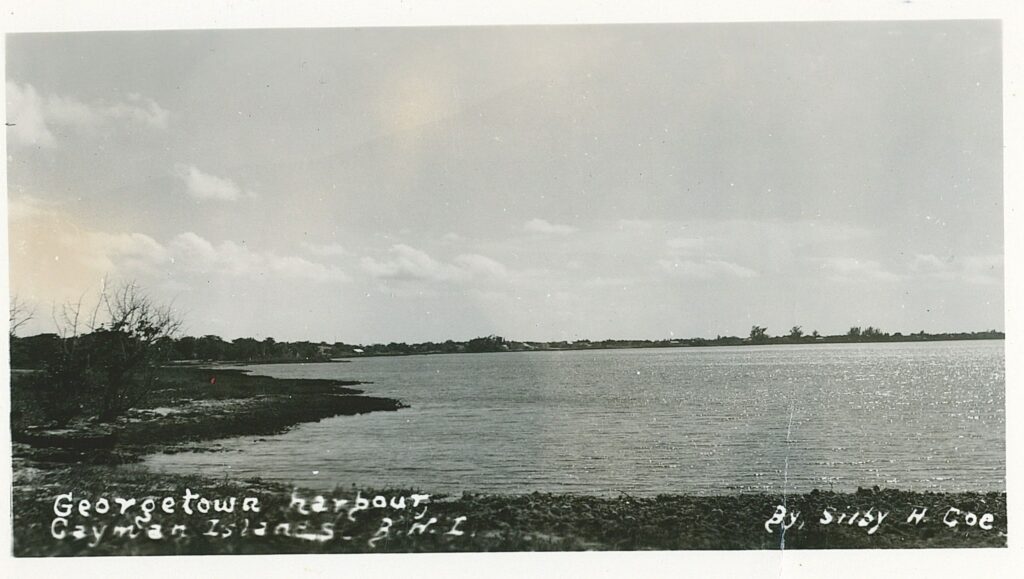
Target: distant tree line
x=34, y=351
x=796, y=335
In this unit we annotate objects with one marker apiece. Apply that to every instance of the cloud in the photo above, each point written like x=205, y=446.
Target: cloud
x=326, y=250
x=927, y=264
x=616, y=282
x=293, y=267
x=687, y=258
x=411, y=264
x=53, y=257
x=983, y=269
x=747, y=231
x=190, y=251
x=685, y=243
x=481, y=266
x=25, y=109
x=139, y=110
x=978, y=269
x=547, y=228
x=705, y=269
x=37, y=119
x=851, y=269
x=26, y=208
x=135, y=252
x=637, y=225
x=203, y=186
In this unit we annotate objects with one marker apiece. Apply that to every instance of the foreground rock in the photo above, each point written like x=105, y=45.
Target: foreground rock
x=49, y=519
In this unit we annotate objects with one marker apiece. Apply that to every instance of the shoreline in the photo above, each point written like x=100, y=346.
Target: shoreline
x=197, y=405
x=871, y=519
x=193, y=405
x=648, y=346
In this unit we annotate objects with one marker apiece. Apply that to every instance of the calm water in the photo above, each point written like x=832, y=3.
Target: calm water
x=689, y=420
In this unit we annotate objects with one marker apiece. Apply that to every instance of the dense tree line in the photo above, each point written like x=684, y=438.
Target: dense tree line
x=133, y=321
x=35, y=351
x=796, y=335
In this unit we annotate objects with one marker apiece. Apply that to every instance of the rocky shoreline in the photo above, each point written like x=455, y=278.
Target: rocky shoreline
x=48, y=519
x=193, y=406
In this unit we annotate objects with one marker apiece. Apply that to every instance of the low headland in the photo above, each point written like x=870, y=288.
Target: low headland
x=55, y=471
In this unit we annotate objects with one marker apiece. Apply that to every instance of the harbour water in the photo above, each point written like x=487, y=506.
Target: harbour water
x=914, y=416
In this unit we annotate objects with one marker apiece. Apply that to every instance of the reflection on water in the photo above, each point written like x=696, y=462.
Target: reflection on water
x=925, y=416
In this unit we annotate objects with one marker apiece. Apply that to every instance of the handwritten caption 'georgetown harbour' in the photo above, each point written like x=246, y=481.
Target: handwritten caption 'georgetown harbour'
x=317, y=519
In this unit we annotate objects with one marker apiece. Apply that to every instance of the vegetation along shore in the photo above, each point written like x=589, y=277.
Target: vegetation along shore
x=32, y=351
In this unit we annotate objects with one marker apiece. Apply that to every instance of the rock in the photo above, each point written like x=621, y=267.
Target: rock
x=92, y=438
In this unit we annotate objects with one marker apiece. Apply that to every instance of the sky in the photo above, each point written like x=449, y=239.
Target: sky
x=540, y=183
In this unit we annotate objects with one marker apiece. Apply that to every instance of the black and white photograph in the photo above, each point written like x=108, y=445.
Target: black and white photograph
x=674, y=286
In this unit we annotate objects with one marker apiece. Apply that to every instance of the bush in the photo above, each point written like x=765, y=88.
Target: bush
x=106, y=365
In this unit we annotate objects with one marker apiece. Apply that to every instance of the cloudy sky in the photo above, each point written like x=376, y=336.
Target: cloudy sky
x=543, y=183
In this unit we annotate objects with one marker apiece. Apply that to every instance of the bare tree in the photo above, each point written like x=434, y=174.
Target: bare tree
x=129, y=344
x=107, y=354
x=21, y=314
x=62, y=389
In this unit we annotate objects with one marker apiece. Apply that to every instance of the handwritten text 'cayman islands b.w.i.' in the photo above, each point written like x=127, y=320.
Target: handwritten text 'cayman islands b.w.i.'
x=313, y=519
